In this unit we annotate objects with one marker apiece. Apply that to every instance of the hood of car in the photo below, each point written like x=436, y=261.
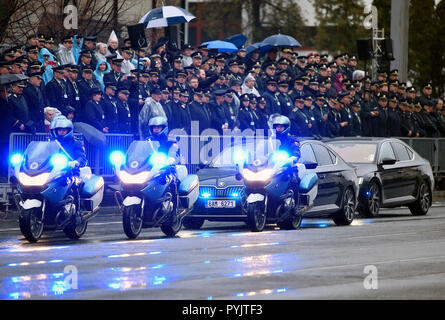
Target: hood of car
x=218, y=177
x=364, y=169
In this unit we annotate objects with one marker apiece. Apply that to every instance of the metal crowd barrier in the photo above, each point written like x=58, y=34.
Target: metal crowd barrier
x=98, y=158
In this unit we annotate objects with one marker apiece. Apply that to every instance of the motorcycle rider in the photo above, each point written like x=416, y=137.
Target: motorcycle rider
x=158, y=131
x=61, y=130
x=288, y=142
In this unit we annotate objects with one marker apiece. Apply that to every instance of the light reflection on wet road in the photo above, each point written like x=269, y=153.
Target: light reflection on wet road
x=226, y=261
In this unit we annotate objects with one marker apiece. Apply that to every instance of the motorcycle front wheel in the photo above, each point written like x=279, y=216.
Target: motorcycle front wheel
x=256, y=216
x=132, y=221
x=31, y=224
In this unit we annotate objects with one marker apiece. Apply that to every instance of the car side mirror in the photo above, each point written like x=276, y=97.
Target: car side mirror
x=387, y=161
x=310, y=165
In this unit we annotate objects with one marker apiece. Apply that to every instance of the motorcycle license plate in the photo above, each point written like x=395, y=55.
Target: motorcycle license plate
x=221, y=204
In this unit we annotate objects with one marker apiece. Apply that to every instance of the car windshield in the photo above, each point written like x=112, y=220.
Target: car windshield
x=258, y=150
x=353, y=152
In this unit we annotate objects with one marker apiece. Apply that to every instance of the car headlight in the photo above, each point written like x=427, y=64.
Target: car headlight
x=262, y=175
x=35, y=181
x=137, y=178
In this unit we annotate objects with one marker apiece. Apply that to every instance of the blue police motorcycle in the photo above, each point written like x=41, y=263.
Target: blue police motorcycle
x=50, y=196
x=155, y=191
x=273, y=192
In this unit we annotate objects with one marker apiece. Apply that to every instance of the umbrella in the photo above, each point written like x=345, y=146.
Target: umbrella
x=282, y=40
x=263, y=47
x=91, y=134
x=238, y=40
x=166, y=16
x=11, y=78
x=221, y=46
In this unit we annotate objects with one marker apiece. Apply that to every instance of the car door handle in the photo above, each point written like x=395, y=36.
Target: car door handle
x=400, y=171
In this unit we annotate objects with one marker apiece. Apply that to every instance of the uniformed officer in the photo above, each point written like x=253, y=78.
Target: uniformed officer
x=219, y=118
x=124, y=113
x=86, y=83
x=35, y=99
x=56, y=90
x=116, y=74
x=334, y=118
x=109, y=105
x=356, y=121
x=72, y=86
x=94, y=113
x=283, y=98
x=380, y=119
x=273, y=103
x=20, y=110
x=199, y=112
x=301, y=123
x=394, y=122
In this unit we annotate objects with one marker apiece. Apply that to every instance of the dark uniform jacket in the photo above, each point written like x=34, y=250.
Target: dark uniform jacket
x=94, y=115
x=57, y=95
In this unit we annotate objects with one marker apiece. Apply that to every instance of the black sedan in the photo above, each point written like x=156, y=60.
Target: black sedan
x=221, y=194
x=391, y=174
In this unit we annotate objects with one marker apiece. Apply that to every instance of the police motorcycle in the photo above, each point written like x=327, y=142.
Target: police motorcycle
x=156, y=192
x=51, y=194
x=278, y=189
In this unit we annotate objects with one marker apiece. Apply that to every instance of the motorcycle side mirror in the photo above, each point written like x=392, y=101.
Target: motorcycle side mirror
x=387, y=161
x=310, y=165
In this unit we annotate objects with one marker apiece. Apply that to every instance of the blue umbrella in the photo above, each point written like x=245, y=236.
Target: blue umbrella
x=166, y=16
x=221, y=46
x=238, y=40
x=263, y=47
x=282, y=41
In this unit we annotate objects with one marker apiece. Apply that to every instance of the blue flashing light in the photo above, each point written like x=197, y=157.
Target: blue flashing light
x=117, y=157
x=235, y=195
x=159, y=159
x=59, y=161
x=280, y=156
x=206, y=195
x=16, y=159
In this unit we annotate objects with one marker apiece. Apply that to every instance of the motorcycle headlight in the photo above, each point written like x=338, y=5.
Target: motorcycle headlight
x=360, y=180
x=262, y=175
x=138, y=178
x=35, y=181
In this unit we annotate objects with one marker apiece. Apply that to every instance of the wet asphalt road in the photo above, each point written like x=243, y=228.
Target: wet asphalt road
x=396, y=256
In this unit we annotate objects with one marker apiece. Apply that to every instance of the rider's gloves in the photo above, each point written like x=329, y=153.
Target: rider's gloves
x=73, y=164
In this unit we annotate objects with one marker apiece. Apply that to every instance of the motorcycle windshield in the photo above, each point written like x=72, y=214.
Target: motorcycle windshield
x=139, y=152
x=38, y=154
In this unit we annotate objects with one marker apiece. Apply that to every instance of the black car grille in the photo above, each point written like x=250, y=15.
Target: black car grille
x=221, y=193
